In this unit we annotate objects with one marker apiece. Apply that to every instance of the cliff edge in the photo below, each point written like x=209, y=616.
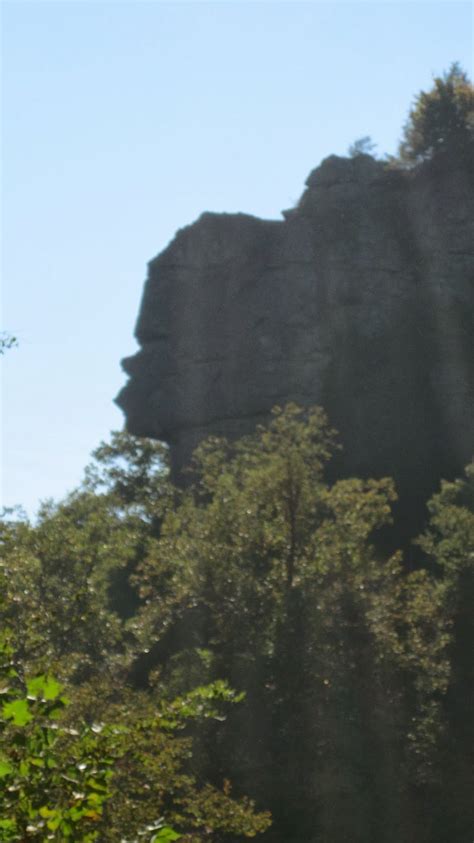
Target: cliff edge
x=361, y=299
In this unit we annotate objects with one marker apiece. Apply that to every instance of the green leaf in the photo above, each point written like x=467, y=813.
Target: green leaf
x=54, y=822
x=165, y=835
x=46, y=812
x=76, y=814
x=24, y=768
x=8, y=825
x=95, y=799
x=55, y=713
x=17, y=711
x=5, y=768
x=43, y=687
x=91, y=782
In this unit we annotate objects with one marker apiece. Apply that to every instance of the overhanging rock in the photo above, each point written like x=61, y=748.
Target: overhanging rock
x=361, y=299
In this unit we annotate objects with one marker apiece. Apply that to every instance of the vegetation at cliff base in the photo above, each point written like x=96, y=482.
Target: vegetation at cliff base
x=176, y=664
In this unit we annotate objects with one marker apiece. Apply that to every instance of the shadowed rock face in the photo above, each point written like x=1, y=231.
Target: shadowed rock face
x=361, y=299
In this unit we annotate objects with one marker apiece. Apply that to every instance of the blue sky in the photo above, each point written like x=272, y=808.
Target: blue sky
x=123, y=121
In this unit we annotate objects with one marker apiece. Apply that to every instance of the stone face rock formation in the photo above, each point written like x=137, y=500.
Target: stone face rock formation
x=361, y=299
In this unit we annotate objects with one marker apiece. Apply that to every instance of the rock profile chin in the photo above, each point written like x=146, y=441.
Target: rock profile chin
x=361, y=299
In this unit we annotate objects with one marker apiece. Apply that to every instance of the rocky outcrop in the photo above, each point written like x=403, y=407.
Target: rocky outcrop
x=361, y=299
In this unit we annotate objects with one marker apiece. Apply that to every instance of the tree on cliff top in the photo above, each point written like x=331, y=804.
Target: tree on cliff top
x=440, y=119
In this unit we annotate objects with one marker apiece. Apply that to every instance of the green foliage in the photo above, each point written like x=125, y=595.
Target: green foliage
x=449, y=540
x=57, y=577
x=362, y=146
x=353, y=675
x=273, y=575
x=233, y=543
x=133, y=472
x=7, y=341
x=441, y=119
x=165, y=835
x=64, y=779
x=67, y=577
x=55, y=780
x=449, y=543
x=153, y=786
x=58, y=581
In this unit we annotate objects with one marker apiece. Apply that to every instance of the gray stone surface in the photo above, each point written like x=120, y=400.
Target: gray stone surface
x=361, y=299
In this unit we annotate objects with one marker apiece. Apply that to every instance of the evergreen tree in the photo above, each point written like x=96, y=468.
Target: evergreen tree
x=441, y=119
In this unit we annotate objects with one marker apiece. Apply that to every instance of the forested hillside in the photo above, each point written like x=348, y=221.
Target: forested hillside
x=132, y=608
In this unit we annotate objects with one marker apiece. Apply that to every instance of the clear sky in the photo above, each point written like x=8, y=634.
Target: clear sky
x=123, y=121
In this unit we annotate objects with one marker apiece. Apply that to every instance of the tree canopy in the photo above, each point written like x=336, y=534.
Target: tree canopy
x=132, y=609
x=441, y=119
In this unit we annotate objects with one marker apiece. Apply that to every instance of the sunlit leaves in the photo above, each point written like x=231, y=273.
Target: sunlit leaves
x=5, y=768
x=349, y=668
x=441, y=119
x=43, y=688
x=274, y=574
x=48, y=791
x=17, y=711
x=58, y=778
x=165, y=835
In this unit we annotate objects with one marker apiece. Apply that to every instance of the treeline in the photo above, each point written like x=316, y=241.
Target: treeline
x=177, y=663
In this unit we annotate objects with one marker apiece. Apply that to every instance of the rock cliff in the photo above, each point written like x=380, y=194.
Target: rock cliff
x=361, y=299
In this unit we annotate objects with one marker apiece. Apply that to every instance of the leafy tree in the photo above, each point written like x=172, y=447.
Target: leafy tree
x=449, y=543
x=57, y=575
x=55, y=780
x=133, y=472
x=441, y=119
x=132, y=475
x=59, y=603
x=70, y=780
x=266, y=575
x=67, y=576
x=112, y=766
x=261, y=575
